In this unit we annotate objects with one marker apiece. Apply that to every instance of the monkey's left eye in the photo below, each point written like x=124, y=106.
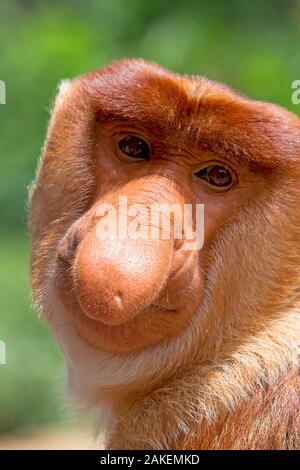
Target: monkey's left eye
x=216, y=175
x=135, y=147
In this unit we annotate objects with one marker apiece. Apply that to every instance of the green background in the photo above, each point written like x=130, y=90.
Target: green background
x=251, y=45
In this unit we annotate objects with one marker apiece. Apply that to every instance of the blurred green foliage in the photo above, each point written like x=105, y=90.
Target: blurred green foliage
x=251, y=45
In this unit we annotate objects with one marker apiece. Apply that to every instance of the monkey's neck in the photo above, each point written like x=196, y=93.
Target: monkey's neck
x=248, y=399
x=266, y=418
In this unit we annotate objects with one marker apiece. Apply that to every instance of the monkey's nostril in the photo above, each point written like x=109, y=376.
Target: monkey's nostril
x=118, y=298
x=68, y=247
x=178, y=243
x=73, y=243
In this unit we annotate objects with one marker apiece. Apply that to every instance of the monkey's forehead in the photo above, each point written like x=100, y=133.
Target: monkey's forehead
x=195, y=111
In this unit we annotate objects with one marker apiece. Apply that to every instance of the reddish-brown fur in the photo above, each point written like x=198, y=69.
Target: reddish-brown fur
x=268, y=420
x=201, y=349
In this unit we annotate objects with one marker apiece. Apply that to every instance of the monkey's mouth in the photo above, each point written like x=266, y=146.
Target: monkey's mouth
x=163, y=308
x=153, y=324
x=102, y=307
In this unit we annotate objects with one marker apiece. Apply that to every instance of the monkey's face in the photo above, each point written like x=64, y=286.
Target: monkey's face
x=128, y=270
x=133, y=153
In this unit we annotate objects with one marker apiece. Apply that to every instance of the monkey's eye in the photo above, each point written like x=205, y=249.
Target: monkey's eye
x=216, y=175
x=135, y=147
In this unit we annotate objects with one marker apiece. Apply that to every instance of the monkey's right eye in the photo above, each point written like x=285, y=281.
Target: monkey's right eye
x=135, y=147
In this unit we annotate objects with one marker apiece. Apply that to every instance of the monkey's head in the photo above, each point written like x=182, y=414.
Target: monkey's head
x=125, y=144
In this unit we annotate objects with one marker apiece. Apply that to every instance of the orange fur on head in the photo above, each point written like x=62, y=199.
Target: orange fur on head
x=187, y=349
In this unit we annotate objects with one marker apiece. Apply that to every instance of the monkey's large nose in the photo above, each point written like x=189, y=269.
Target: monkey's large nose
x=116, y=279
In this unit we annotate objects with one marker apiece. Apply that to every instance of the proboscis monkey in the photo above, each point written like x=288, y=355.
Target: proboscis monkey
x=187, y=348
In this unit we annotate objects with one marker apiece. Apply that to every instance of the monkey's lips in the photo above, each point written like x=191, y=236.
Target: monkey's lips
x=155, y=324
x=165, y=316
x=164, y=308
